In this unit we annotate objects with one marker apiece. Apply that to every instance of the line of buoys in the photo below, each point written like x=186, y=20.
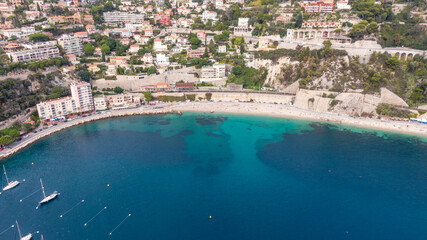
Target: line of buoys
x=30, y=195
x=95, y=216
x=120, y=224
x=1, y=233
x=82, y=201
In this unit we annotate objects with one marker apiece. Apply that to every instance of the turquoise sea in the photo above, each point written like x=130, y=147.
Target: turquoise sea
x=219, y=176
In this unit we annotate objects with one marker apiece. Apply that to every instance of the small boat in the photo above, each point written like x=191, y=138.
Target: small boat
x=26, y=237
x=47, y=198
x=9, y=185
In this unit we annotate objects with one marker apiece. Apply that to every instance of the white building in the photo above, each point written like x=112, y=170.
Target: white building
x=222, y=49
x=19, y=32
x=162, y=59
x=147, y=58
x=217, y=71
x=209, y=15
x=243, y=27
x=343, y=5
x=36, y=52
x=158, y=46
x=100, y=103
x=71, y=45
x=56, y=108
x=82, y=93
x=119, y=17
x=134, y=48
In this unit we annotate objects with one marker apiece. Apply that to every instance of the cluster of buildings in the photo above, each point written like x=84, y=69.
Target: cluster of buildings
x=81, y=101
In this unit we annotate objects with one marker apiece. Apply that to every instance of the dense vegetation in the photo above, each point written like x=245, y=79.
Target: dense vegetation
x=18, y=95
x=33, y=65
x=391, y=111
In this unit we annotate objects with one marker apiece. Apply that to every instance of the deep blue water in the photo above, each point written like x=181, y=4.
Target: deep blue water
x=258, y=177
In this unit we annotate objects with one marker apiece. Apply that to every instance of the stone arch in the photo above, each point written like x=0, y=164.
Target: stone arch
x=295, y=35
x=410, y=56
x=300, y=34
x=313, y=34
x=397, y=54
x=403, y=56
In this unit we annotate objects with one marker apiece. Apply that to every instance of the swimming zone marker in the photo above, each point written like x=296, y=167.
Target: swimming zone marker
x=30, y=195
x=95, y=216
x=1, y=233
x=69, y=210
x=111, y=233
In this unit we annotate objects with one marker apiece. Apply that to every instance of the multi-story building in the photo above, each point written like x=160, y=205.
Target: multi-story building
x=71, y=45
x=56, y=108
x=82, y=94
x=195, y=53
x=119, y=17
x=100, y=103
x=243, y=26
x=264, y=43
x=36, y=52
x=217, y=71
x=318, y=6
x=158, y=46
x=209, y=15
x=19, y=32
x=201, y=35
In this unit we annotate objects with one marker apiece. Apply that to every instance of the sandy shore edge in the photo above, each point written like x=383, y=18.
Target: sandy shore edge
x=272, y=110
x=286, y=111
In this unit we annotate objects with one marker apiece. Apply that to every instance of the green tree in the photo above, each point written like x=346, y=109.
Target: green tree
x=105, y=48
x=118, y=90
x=372, y=28
x=6, y=140
x=89, y=48
x=14, y=133
x=27, y=127
x=39, y=37
x=152, y=70
x=148, y=96
x=298, y=22
x=84, y=76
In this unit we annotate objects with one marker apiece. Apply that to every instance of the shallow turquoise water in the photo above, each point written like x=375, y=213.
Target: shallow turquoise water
x=258, y=177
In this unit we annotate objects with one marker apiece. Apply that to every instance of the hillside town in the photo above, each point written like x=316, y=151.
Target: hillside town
x=61, y=59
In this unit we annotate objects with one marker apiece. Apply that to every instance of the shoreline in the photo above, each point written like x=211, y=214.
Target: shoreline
x=24, y=143
x=286, y=111
x=259, y=109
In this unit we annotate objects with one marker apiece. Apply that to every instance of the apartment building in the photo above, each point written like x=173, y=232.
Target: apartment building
x=35, y=52
x=100, y=103
x=318, y=6
x=71, y=45
x=82, y=93
x=217, y=71
x=56, y=108
x=119, y=17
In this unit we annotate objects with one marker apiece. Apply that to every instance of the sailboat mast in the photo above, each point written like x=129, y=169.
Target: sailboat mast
x=4, y=170
x=19, y=230
x=44, y=195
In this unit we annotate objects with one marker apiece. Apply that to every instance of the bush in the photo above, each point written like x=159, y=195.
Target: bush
x=391, y=111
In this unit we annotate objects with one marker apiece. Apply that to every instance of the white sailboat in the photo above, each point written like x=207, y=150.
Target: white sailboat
x=26, y=237
x=47, y=198
x=42, y=237
x=9, y=185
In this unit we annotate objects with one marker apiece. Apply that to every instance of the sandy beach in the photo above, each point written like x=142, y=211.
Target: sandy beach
x=287, y=111
x=262, y=109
